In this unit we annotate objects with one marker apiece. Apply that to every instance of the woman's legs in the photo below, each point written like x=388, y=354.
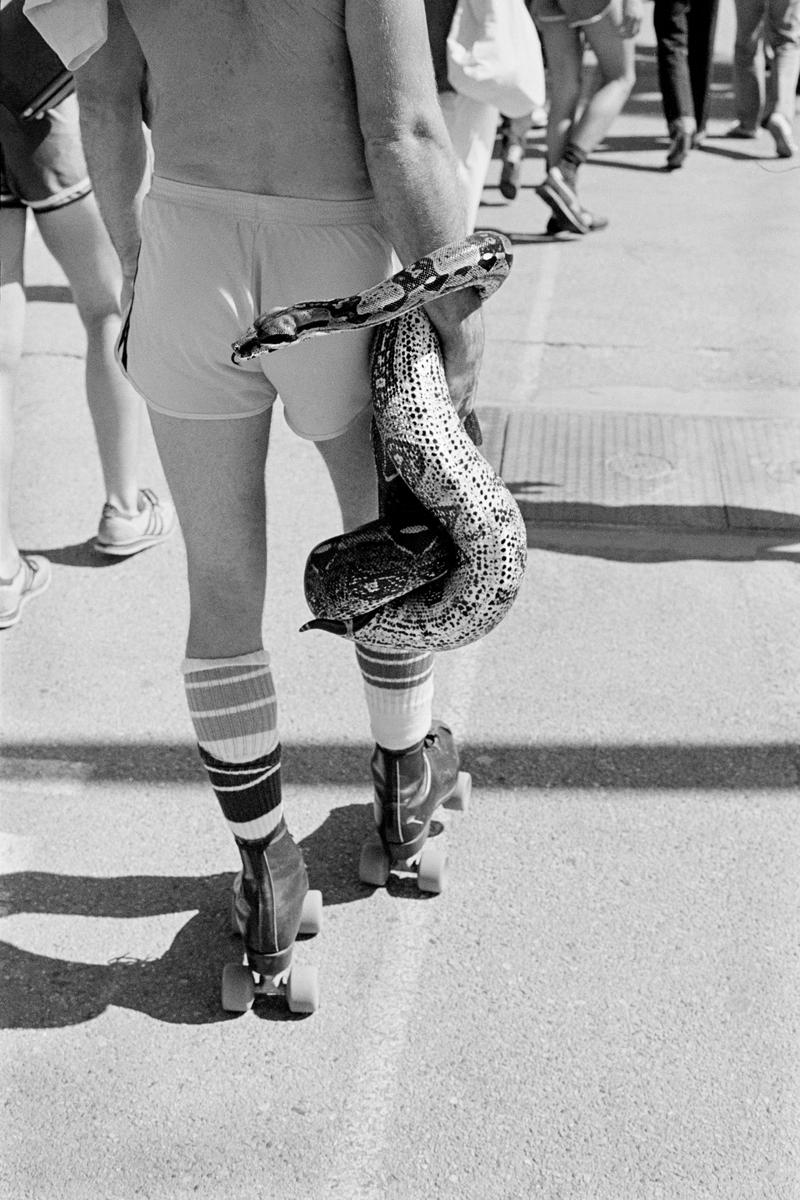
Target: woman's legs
x=563, y=48
x=12, y=329
x=77, y=239
x=616, y=60
x=571, y=137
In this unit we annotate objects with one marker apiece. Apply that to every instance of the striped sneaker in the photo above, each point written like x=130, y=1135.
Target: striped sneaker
x=32, y=578
x=121, y=535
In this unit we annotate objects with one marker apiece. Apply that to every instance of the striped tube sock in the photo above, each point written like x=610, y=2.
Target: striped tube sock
x=398, y=686
x=234, y=711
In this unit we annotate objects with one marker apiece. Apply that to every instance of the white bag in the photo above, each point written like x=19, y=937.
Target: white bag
x=494, y=55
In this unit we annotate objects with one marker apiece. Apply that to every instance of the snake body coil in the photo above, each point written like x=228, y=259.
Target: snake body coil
x=445, y=561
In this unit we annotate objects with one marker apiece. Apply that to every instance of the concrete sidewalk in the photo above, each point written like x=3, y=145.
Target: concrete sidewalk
x=646, y=382
x=603, y=1003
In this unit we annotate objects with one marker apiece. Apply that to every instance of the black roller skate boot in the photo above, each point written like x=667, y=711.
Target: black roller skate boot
x=410, y=785
x=271, y=906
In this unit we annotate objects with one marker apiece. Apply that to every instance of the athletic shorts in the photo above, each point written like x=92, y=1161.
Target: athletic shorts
x=211, y=260
x=574, y=12
x=41, y=161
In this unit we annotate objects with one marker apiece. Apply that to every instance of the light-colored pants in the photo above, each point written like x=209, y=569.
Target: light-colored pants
x=776, y=22
x=472, y=127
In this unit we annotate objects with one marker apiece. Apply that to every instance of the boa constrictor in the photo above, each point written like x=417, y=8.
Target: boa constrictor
x=445, y=561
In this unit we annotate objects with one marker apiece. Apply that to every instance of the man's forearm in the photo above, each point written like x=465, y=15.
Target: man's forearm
x=415, y=181
x=117, y=156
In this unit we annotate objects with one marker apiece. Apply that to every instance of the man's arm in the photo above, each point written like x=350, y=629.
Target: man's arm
x=411, y=164
x=110, y=87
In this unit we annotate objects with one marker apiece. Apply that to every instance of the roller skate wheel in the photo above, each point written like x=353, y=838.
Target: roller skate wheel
x=311, y=917
x=374, y=865
x=302, y=990
x=432, y=868
x=238, y=988
x=459, y=800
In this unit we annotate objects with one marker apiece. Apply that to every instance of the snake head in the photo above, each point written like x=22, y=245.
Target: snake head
x=275, y=328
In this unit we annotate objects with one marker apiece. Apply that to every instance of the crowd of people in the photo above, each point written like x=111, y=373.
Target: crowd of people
x=290, y=163
x=580, y=112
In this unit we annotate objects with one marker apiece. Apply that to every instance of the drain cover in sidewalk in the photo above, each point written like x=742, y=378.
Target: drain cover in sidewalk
x=642, y=469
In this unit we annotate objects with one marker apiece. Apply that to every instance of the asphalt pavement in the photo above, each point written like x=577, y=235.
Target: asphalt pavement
x=603, y=1003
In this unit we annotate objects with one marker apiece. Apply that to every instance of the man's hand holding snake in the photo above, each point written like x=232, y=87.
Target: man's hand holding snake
x=458, y=321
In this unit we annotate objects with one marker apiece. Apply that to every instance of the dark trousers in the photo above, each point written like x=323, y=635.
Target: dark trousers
x=685, y=37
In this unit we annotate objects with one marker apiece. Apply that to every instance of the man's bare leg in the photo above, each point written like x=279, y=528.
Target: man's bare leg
x=215, y=471
x=415, y=764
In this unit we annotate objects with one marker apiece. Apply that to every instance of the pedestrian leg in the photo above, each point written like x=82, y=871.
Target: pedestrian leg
x=77, y=239
x=748, y=68
x=783, y=33
x=702, y=31
x=12, y=330
x=22, y=576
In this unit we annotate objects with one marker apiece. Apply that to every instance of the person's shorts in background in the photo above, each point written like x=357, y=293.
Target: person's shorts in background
x=574, y=12
x=42, y=166
x=212, y=260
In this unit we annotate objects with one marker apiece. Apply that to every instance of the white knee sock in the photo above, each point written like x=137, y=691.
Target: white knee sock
x=398, y=686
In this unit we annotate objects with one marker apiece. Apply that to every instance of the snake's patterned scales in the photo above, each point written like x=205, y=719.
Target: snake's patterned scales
x=419, y=432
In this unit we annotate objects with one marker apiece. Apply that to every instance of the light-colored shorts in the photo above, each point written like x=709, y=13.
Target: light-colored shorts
x=211, y=260
x=574, y=12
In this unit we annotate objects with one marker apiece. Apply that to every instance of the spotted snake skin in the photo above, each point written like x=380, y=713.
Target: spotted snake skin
x=444, y=562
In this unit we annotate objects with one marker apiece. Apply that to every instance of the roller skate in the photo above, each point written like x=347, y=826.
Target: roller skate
x=410, y=785
x=271, y=906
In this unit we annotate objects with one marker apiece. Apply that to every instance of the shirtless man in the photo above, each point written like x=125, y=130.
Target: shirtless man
x=296, y=145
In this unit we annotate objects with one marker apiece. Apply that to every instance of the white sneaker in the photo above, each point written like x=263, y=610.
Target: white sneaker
x=782, y=133
x=32, y=578
x=120, y=535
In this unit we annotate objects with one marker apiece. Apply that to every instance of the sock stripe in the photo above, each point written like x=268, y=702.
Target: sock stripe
x=248, y=802
x=232, y=708
x=261, y=827
x=378, y=681
x=373, y=654
x=398, y=688
x=395, y=671
x=242, y=787
x=221, y=676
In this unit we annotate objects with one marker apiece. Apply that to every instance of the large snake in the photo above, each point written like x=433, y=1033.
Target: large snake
x=445, y=561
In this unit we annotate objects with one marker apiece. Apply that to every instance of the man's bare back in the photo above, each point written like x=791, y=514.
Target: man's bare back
x=253, y=97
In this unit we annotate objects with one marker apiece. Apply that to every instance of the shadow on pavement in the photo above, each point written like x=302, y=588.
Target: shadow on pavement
x=80, y=554
x=724, y=148
x=182, y=986
x=650, y=533
x=645, y=767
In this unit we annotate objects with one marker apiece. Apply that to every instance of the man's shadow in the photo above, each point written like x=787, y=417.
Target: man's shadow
x=183, y=985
